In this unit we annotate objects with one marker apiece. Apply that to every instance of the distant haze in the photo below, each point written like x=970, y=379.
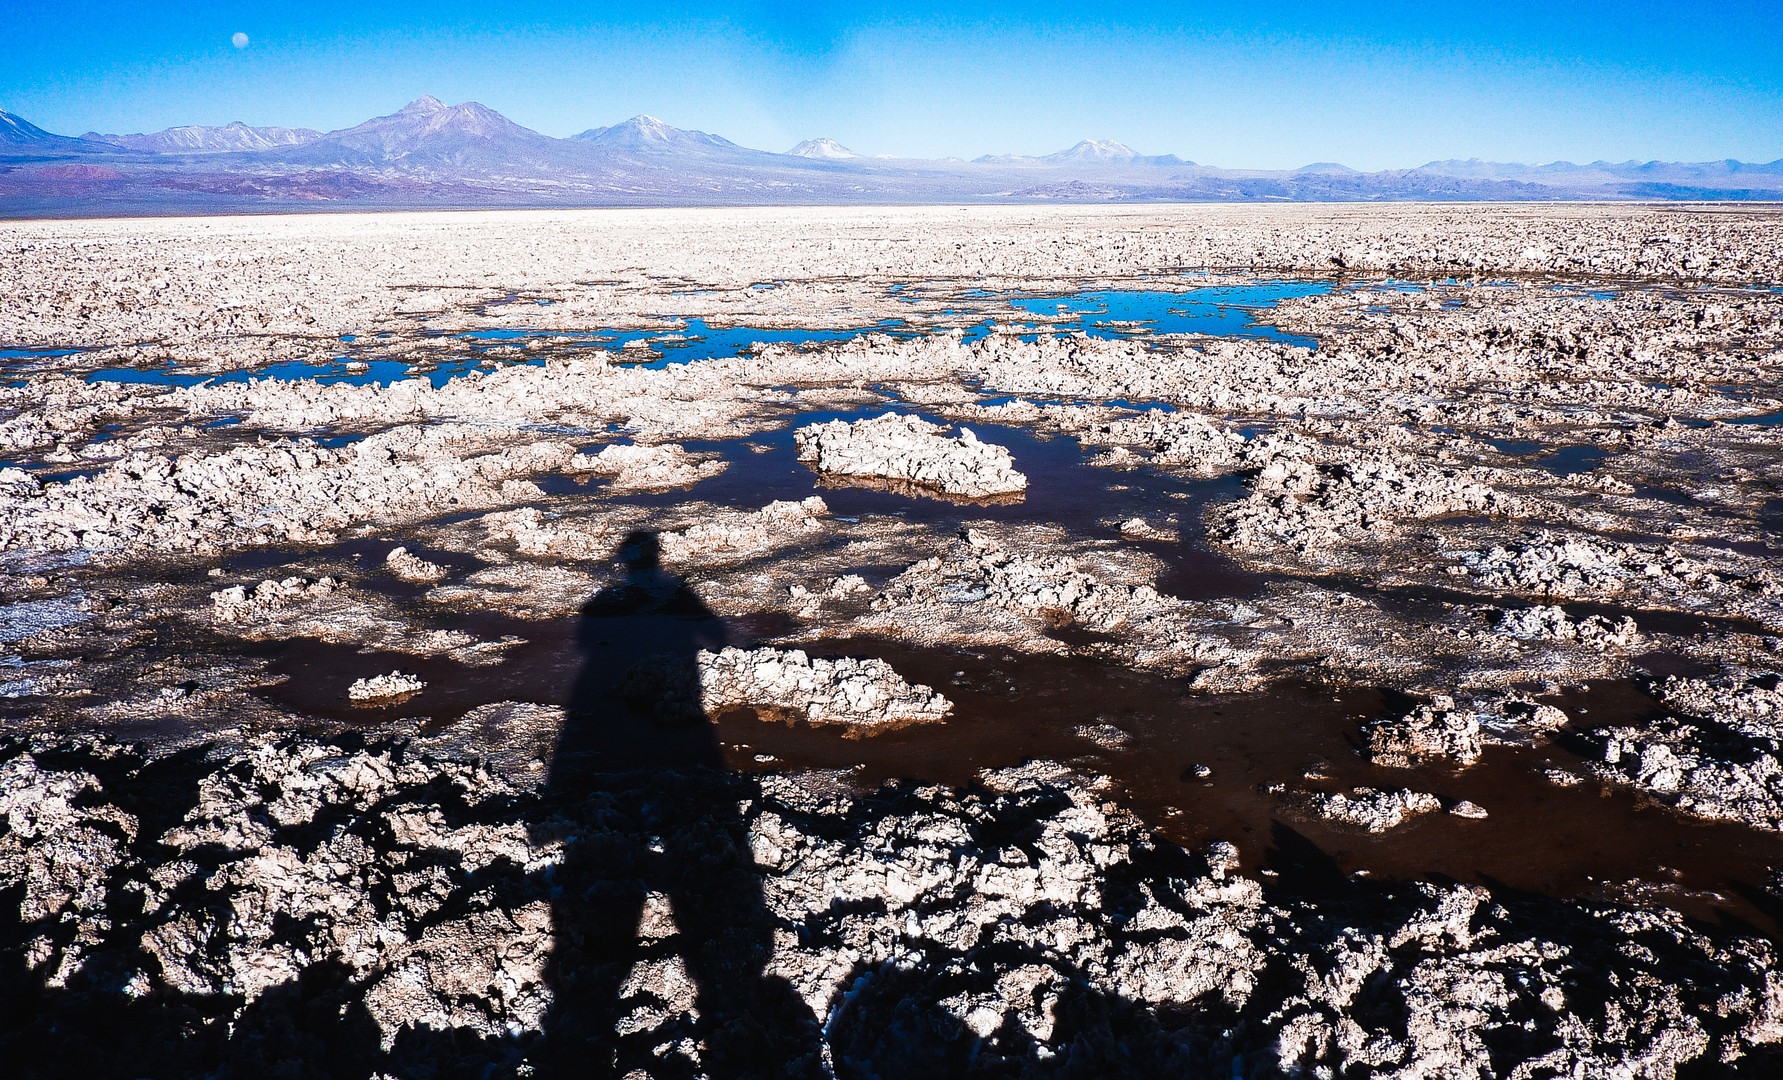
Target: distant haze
x=431, y=154
x=1383, y=85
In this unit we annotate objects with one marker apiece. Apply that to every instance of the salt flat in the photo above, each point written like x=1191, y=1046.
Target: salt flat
x=1384, y=681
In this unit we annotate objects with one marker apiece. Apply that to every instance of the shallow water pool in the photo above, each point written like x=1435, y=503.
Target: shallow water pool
x=1223, y=311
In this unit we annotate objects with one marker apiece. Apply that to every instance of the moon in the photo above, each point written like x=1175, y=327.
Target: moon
x=239, y=40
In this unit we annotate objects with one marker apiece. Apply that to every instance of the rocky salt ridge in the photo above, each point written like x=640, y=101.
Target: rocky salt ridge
x=1437, y=731
x=410, y=567
x=646, y=468
x=729, y=535
x=1548, y=623
x=989, y=589
x=1357, y=496
x=278, y=491
x=909, y=449
x=1370, y=809
x=1441, y=732
x=1720, y=756
x=864, y=696
x=394, y=686
x=328, y=609
x=299, y=903
x=1176, y=439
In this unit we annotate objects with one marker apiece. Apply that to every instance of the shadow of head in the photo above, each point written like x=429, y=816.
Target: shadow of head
x=641, y=636
x=640, y=551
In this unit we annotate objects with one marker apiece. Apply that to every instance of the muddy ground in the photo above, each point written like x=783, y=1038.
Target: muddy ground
x=1308, y=641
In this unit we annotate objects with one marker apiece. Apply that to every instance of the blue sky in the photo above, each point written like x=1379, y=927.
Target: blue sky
x=1372, y=85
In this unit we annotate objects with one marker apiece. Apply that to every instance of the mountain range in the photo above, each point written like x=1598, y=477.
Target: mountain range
x=430, y=154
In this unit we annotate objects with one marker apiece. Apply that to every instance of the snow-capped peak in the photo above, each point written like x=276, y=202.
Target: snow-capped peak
x=1095, y=150
x=821, y=148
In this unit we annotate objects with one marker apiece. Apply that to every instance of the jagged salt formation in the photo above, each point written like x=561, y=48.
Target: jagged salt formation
x=271, y=492
x=983, y=590
x=1579, y=567
x=863, y=695
x=1371, y=809
x=728, y=535
x=1436, y=732
x=1725, y=761
x=327, y=609
x=236, y=604
x=1751, y=706
x=1548, y=623
x=379, y=688
x=647, y=468
x=413, y=568
x=343, y=908
x=1571, y=567
x=1314, y=507
x=1185, y=440
x=910, y=450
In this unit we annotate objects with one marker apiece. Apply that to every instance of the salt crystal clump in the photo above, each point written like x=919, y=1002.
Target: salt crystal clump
x=384, y=687
x=19, y=484
x=1371, y=809
x=1574, y=566
x=1746, y=706
x=911, y=450
x=646, y=468
x=1531, y=715
x=1140, y=529
x=1547, y=623
x=841, y=587
x=1306, y=505
x=865, y=695
x=1437, y=731
x=410, y=567
x=1688, y=767
x=1105, y=735
x=731, y=534
x=535, y=533
x=236, y=604
x=1724, y=763
x=977, y=569
x=978, y=590
x=1182, y=439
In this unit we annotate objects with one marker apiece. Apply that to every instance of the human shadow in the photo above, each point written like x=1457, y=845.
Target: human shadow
x=661, y=930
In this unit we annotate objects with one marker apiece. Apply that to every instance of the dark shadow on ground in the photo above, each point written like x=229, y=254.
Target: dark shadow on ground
x=91, y=1025
x=639, y=765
